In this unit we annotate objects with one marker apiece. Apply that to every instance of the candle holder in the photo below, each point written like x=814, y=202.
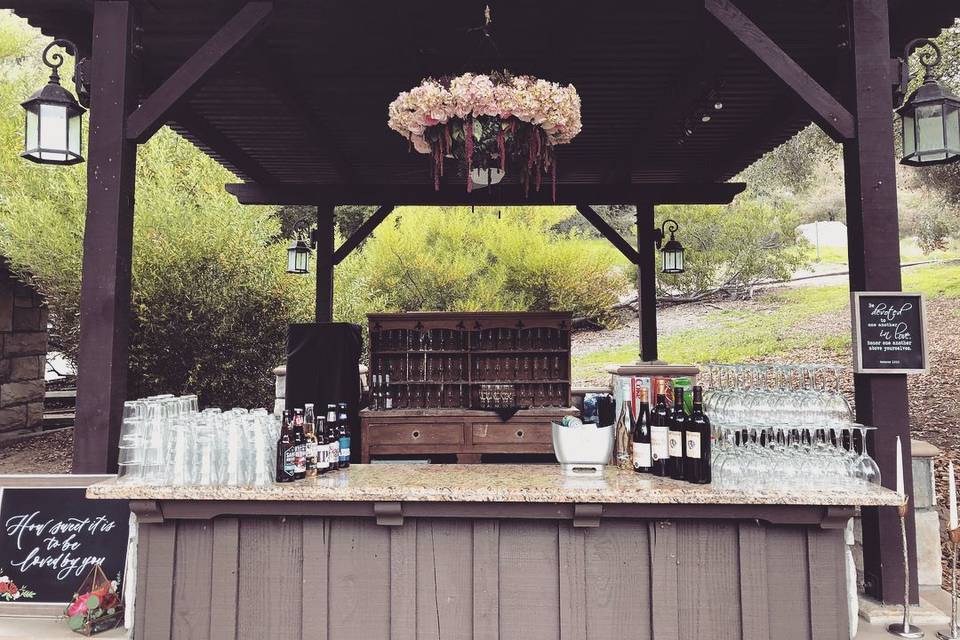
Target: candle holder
x=953, y=633
x=905, y=629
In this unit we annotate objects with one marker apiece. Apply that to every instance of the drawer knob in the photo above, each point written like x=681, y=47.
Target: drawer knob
x=416, y=434
x=519, y=433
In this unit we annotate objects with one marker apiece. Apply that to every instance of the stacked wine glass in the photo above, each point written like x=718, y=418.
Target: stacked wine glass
x=166, y=440
x=783, y=426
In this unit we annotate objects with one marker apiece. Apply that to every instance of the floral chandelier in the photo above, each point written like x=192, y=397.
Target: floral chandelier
x=489, y=123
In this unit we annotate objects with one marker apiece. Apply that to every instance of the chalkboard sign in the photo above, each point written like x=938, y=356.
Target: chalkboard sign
x=52, y=536
x=889, y=332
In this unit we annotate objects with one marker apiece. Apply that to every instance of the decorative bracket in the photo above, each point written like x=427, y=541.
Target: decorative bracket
x=587, y=515
x=148, y=511
x=836, y=517
x=388, y=514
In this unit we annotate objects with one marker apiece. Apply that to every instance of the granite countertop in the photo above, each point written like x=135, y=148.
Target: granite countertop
x=542, y=483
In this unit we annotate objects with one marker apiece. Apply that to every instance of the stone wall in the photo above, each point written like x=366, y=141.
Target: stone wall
x=23, y=350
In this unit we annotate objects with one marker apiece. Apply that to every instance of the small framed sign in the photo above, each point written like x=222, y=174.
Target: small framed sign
x=51, y=536
x=889, y=332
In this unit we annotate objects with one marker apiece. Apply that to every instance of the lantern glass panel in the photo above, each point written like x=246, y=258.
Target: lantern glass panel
x=952, y=122
x=930, y=142
x=73, y=134
x=303, y=261
x=909, y=135
x=53, y=132
x=678, y=261
x=32, y=136
x=292, y=260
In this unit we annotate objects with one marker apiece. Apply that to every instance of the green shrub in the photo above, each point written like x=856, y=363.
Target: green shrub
x=489, y=258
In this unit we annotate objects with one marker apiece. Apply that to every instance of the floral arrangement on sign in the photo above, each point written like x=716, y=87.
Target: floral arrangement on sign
x=9, y=590
x=489, y=123
x=97, y=605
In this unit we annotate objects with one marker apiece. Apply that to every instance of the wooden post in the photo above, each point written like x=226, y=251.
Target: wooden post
x=647, y=281
x=107, y=242
x=874, y=251
x=324, y=236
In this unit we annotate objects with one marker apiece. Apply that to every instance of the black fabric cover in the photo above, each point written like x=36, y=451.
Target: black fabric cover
x=322, y=367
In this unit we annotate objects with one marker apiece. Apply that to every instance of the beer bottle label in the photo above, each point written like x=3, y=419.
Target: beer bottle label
x=693, y=444
x=658, y=443
x=289, y=462
x=323, y=459
x=300, y=458
x=676, y=444
x=344, y=448
x=335, y=450
x=641, y=455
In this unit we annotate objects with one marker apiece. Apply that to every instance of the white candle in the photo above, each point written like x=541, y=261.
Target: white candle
x=953, y=499
x=900, y=489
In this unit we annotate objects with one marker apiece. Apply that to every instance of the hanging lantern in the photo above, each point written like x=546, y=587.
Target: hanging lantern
x=672, y=250
x=930, y=115
x=53, y=125
x=298, y=257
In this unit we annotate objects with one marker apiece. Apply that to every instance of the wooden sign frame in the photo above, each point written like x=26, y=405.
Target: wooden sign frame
x=42, y=481
x=858, y=367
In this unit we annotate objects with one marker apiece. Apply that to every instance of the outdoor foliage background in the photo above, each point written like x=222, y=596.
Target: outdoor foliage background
x=211, y=300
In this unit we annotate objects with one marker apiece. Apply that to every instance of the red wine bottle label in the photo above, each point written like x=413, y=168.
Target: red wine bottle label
x=693, y=444
x=675, y=446
x=658, y=443
x=641, y=455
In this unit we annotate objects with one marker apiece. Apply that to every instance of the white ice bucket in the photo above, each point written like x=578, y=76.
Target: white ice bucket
x=582, y=450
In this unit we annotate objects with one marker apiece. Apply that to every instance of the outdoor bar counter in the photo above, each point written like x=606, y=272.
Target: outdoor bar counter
x=490, y=551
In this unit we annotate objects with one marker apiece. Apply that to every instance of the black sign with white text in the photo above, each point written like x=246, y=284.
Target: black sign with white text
x=50, y=538
x=890, y=332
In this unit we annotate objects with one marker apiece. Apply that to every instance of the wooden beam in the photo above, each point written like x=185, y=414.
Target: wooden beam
x=361, y=233
x=873, y=245
x=209, y=135
x=835, y=120
x=233, y=36
x=509, y=194
x=692, y=82
x=290, y=91
x=647, y=281
x=609, y=233
x=325, y=263
x=107, y=243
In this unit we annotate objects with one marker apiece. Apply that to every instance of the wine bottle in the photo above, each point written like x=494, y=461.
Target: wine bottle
x=678, y=424
x=641, y=436
x=659, y=432
x=621, y=436
x=698, y=443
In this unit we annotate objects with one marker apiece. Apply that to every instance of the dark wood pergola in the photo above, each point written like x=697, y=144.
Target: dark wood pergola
x=291, y=96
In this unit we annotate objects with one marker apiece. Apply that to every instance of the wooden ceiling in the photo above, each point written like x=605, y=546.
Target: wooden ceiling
x=306, y=103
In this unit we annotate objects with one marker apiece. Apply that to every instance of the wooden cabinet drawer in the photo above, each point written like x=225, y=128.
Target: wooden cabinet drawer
x=517, y=433
x=417, y=434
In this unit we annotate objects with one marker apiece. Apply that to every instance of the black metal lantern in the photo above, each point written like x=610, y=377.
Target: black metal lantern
x=53, y=125
x=672, y=250
x=298, y=257
x=930, y=115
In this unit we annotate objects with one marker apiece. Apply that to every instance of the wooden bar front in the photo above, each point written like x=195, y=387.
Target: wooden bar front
x=227, y=568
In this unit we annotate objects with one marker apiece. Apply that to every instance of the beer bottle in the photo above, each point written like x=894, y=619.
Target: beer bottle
x=310, y=439
x=343, y=435
x=286, y=468
x=323, y=449
x=333, y=439
x=300, y=445
x=387, y=393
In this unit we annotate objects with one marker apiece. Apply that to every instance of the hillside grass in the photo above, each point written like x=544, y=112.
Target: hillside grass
x=778, y=326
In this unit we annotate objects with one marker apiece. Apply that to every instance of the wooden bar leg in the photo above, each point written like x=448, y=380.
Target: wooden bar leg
x=325, y=220
x=874, y=252
x=647, y=282
x=107, y=243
